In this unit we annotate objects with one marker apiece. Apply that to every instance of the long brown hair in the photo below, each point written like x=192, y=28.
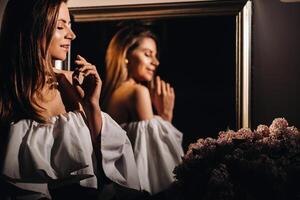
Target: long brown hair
x=124, y=41
x=25, y=64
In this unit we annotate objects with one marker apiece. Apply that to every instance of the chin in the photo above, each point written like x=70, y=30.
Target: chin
x=148, y=78
x=61, y=57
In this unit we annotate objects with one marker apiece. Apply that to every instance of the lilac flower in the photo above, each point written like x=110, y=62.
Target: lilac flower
x=259, y=164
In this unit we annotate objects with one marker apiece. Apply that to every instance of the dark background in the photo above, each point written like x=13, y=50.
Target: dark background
x=197, y=57
x=275, y=62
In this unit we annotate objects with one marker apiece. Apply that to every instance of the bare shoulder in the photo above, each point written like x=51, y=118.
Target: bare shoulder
x=140, y=92
x=131, y=100
x=131, y=92
x=142, y=103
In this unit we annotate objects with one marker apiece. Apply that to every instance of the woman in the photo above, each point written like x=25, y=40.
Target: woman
x=131, y=60
x=53, y=132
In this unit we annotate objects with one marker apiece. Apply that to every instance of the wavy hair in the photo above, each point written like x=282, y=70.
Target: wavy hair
x=25, y=64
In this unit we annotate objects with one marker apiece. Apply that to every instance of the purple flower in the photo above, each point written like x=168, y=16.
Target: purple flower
x=259, y=164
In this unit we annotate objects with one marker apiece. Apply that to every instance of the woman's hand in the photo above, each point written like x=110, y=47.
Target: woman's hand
x=163, y=98
x=88, y=84
x=87, y=81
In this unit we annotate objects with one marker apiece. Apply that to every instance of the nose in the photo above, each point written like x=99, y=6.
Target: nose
x=70, y=34
x=155, y=61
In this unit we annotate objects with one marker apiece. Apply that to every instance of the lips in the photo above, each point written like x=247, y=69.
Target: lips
x=150, y=70
x=65, y=46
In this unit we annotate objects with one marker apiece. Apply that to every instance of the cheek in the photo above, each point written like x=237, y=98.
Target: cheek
x=137, y=64
x=55, y=49
x=141, y=62
x=140, y=66
x=134, y=63
x=57, y=37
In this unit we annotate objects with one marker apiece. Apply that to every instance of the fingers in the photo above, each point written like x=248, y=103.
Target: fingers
x=163, y=98
x=79, y=57
x=80, y=61
x=172, y=92
x=85, y=67
x=158, y=85
x=161, y=87
x=151, y=85
x=87, y=81
x=168, y=88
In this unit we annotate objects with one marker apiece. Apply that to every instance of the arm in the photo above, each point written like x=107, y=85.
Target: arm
x=141, y=103
x=93, y=114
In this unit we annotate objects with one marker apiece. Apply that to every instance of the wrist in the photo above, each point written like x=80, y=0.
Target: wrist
x=167, y=116
x=94, y=119
x=92, y=105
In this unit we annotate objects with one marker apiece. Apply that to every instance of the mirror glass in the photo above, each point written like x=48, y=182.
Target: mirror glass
x=198, y=57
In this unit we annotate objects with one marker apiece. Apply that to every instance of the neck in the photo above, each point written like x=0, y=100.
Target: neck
x=131, y=80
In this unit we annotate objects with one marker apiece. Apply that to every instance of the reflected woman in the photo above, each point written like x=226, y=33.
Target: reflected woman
x=131, y=62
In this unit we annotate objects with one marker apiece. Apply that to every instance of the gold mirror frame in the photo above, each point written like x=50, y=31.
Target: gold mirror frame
x=241, y=9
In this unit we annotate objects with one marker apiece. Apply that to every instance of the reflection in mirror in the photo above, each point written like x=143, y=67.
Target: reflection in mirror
x=199, y=55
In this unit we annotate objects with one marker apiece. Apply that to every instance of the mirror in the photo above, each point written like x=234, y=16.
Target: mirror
x=204, y=54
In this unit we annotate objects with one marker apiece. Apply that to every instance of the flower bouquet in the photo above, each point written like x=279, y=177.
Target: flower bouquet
x=259, y=164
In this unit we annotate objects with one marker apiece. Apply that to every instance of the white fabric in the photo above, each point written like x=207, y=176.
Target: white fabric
x=157, y=150
x=117, y=154
x=61, y=152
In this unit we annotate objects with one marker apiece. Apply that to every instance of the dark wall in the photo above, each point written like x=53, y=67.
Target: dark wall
x=276, y=62
x=2, y=8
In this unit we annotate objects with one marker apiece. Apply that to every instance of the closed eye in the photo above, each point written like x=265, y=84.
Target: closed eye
x=61, y=24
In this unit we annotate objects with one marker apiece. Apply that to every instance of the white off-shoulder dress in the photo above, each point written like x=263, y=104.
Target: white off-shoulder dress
x=39, y=155
x=158, y=149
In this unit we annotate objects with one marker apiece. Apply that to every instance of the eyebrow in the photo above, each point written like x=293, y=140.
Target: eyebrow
x=64, y=21
x=147, y=49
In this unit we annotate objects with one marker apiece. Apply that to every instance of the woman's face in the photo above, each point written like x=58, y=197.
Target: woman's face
x=142, y=61
x=63, y=35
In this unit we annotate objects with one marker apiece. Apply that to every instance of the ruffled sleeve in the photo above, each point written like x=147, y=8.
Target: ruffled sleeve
x=42, y=156
x=39, y=156
x=157, y=150
x=117, y=154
